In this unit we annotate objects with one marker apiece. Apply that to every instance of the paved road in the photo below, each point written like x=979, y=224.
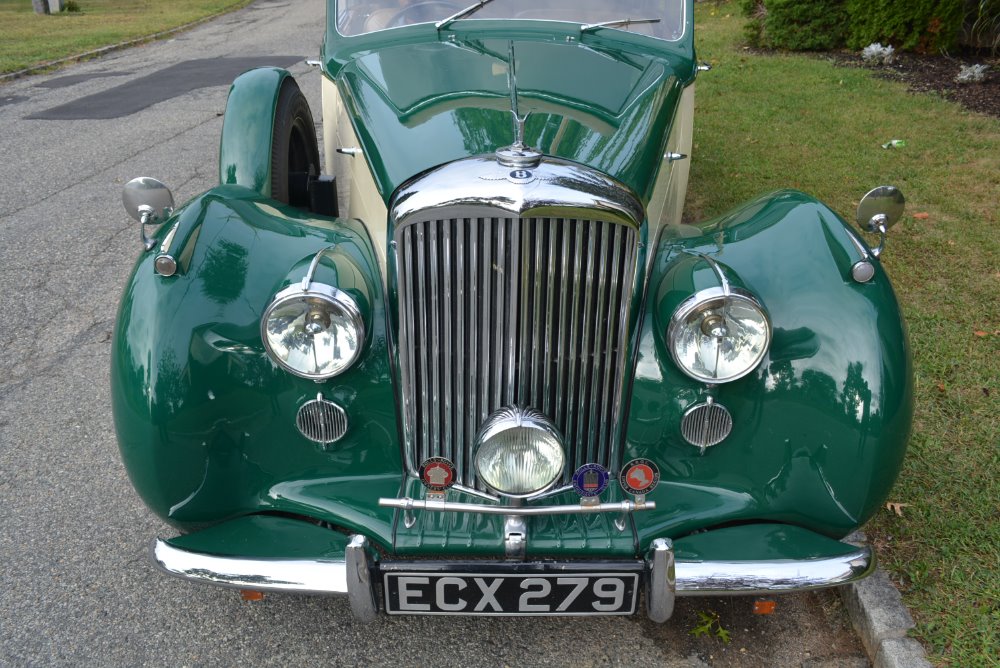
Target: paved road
x=75, y=585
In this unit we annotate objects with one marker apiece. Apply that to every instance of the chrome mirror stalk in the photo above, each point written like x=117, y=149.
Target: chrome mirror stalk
x=148, y=201
x=879, y=210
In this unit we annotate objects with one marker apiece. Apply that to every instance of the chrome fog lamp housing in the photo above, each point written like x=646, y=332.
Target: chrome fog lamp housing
x=719, y=334
x=314, y=331
x=519, y=453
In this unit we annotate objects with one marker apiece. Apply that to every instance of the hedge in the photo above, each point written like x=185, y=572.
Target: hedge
x=804, y=25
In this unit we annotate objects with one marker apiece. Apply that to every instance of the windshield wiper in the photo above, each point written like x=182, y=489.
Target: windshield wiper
x=619, y=23
x=468, y=11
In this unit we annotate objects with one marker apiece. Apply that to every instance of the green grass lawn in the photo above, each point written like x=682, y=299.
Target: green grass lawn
x=765, y=122
x=28, y=39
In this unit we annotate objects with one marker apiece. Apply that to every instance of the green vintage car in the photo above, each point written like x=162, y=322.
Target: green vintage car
x=476, y=362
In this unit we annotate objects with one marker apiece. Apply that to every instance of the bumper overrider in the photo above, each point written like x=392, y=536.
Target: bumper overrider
x=358, y=574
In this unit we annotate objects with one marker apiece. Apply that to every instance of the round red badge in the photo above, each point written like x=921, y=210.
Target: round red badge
x=639, y=476
x=437, y=474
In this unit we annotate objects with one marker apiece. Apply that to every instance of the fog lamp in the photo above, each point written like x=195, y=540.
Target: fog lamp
x=519, y=452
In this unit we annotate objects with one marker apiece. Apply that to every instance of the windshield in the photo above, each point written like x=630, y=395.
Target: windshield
x=356, y=17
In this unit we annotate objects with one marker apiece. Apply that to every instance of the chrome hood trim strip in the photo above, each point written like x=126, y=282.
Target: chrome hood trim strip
x=555, y=188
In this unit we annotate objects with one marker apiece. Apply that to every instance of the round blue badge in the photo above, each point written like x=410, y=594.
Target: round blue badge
x=591, y=480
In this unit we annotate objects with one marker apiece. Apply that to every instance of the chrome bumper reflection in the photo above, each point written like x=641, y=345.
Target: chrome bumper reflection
x=666, y=577
x=294, y=575
x=711, y=578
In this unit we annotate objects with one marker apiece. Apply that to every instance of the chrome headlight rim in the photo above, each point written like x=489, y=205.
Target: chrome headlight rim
x=516, y=417
x=333, y=296
x=704, y=300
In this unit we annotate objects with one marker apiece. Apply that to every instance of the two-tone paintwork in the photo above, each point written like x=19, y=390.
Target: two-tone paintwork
x=206, y=421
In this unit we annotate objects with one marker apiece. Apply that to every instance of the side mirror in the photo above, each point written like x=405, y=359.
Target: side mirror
x=148, y=201
x=879, y=210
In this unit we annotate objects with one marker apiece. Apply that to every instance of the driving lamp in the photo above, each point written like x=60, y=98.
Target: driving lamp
x=719, y=335
x=519, y=452
x=314, y=332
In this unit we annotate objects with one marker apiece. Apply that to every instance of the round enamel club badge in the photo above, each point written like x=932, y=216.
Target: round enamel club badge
x=639, y=476
x=437, y=474
x=591, y=480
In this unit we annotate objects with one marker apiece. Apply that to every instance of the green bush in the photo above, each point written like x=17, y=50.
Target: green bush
x=912, y=25
x=817, y=25
x=982, y=25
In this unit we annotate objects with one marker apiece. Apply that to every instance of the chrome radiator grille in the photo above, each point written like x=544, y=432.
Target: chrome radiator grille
x=512, y=311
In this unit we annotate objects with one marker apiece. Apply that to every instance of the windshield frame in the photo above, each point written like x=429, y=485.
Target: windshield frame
x=333, y=14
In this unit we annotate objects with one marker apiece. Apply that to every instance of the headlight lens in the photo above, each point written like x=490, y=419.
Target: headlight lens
x=314, y=333
x=717, y=337
x=519, y=452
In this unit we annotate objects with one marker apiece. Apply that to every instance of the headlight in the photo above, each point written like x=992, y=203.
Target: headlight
x=314, y=333
x=519, y=452
x=717, y=337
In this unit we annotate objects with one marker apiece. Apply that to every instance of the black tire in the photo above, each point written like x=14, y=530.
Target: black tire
x=294, y=151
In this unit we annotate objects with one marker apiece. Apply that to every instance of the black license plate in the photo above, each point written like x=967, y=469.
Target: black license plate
x=544, y=594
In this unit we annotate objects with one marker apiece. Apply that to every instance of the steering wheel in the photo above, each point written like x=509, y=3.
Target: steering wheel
x=422, y=12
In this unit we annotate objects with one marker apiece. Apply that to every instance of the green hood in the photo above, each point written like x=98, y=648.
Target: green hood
x=420, y=104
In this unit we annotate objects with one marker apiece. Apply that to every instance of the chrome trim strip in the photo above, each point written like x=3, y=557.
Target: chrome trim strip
x=712, y=578
x=305, y=576
x=555, y=188
x=433, y=505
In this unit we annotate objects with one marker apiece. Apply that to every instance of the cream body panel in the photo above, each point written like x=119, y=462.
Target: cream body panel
x=358, y=196
x=670, y=189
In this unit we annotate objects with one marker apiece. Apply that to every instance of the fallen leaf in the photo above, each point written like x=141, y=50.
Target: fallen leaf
x=897, y=507
x=940, y=387
x=922, y=215
x=980, y=333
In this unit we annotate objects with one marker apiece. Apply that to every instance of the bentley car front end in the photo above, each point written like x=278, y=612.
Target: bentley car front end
x=476, y=362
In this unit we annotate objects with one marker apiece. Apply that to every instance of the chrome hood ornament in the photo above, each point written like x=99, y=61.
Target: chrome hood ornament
x=517, y=155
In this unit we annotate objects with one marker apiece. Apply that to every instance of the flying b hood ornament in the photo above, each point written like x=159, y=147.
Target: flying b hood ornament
x=516, y=155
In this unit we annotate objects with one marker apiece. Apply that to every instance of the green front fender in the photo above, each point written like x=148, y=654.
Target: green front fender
x=205, y=419
x=245, y=147
x=821, y=425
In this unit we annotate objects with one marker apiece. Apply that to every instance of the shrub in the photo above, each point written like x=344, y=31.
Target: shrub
x=920, y=25
x=818, y=25
x=982, y=24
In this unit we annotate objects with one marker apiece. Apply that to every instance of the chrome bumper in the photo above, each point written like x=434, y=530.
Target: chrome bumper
x=666, y=578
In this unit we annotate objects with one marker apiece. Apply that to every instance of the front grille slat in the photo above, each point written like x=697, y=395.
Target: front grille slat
x=472, y=417
x=600, y=358
x=434, y=296
x=501, y=311
x=608, y=389
x=487, y=273
x=460, y=390
x=424, y=419
x=548, y=345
